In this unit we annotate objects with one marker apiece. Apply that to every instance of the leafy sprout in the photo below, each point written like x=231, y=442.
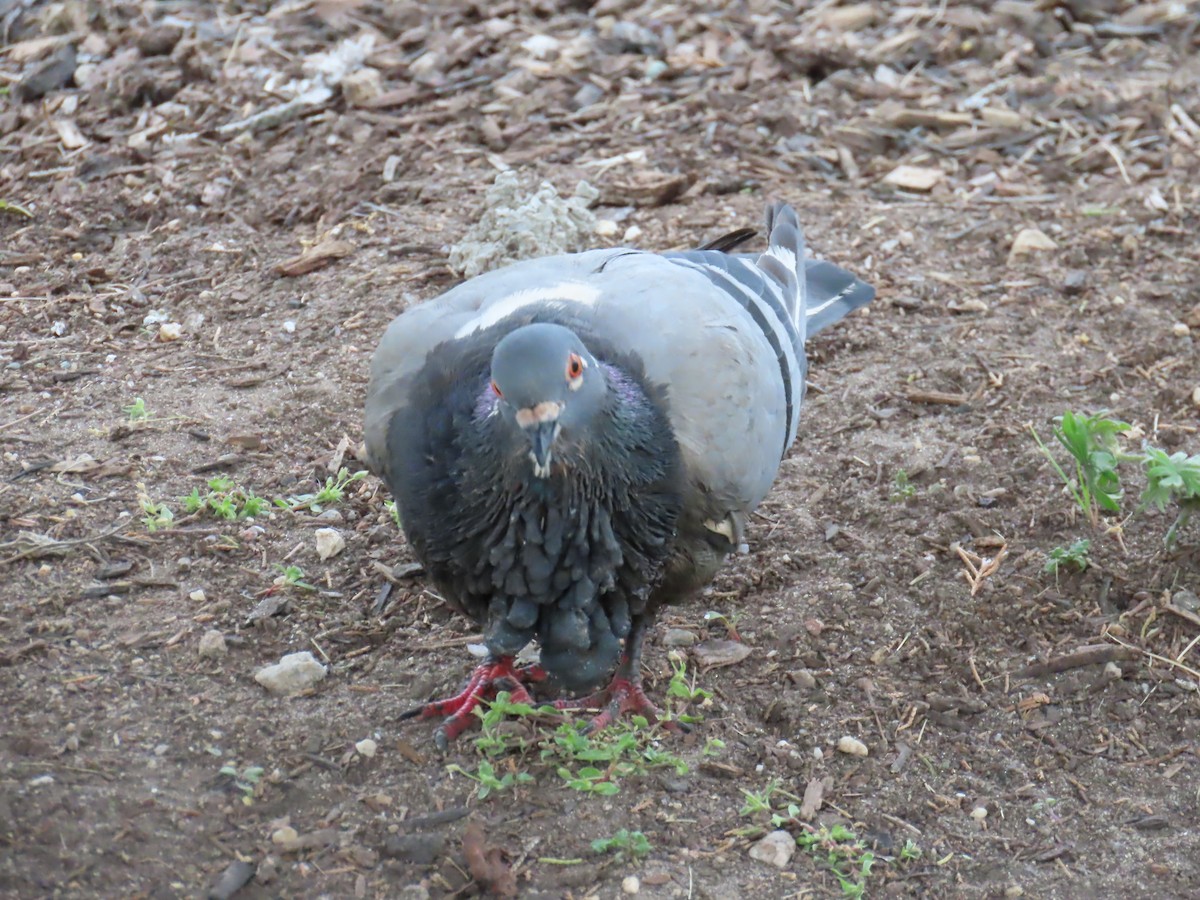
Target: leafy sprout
x=1074, y=556
x=136, y=410
x=1174, y=477
x=623, y=843
x=1091, y=442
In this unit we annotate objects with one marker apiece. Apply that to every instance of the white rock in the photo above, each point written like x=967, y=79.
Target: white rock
x=212, y=645
x=366, y=747
x=632, y=233
x=630, y=884
x=979, y=813
x=1181, y=329
x=777, y=848
x=329, y=542
x=198, y=595
x=294, y=673
x=169, y=331
x=1196, y=397
x=285, y=835
x=607, y=228
x=851, y=746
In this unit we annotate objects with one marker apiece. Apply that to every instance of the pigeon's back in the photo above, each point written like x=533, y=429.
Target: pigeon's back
x=722, y=334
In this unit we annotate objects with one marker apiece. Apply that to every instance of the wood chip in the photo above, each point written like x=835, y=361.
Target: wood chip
x=315, y=258
x=1030, y=240
x=814, y=795
x=914, y=178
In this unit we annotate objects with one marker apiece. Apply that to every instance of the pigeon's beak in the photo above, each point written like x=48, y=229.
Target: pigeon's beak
x=541, y=440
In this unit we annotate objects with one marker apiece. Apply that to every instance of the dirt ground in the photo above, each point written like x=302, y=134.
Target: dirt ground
x=163, y=167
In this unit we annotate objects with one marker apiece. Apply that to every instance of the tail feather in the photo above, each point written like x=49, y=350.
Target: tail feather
x=783, y=259
x=832, y=294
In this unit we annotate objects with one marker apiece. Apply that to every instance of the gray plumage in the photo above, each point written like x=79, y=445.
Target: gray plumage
x=568, y=508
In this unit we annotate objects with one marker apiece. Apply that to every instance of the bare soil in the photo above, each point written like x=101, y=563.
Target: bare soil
x=1014, y=764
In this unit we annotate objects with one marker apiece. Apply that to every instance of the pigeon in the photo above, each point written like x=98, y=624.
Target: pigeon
x=575, y=440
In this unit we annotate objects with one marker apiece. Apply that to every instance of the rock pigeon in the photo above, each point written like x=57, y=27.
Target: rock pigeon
x=575, y=440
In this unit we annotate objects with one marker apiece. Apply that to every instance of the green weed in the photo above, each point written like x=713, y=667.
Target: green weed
x=487, y=781
x=624, y=843
x=225, y=500
x=9, y=207
x=136, y=410
x=157, y=515
x=1074, y=556
x=245, y=780
x=332, y=492
x=1175, y=477
x=1091, y=442
x=902, y=488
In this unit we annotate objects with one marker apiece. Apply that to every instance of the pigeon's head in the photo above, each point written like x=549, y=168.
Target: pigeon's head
x=549, y=385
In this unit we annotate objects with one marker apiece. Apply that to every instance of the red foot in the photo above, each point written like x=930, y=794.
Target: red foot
x=621, y=697
x=485, y=682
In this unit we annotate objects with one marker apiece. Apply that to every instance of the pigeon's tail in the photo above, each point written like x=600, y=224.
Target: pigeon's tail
x=783, y=260
x=832, y=294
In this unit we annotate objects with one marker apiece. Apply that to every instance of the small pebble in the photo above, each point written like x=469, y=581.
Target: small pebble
x=606, y=228
x=630, y=884
x=1196, y=396
x=366, y=747
x=777, y=849
x=329, y=542
x=294, y=673
x=851, y=746
x=979, y=813
x=678, y=637
x=1181, y=329
x=198, y=595
x=169, y=331
x=805, y=680
x=212, y=645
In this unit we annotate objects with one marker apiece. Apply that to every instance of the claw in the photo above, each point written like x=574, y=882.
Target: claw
x=485, y=682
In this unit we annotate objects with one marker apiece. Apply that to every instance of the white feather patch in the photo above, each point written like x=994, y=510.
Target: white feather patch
x=784, y=255
x=565, y=291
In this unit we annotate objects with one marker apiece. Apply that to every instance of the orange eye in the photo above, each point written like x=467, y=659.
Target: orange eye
x=575, y=366
x=496, y=389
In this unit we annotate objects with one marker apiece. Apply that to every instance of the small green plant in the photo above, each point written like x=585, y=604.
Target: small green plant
x=7, y=205
x=590, y=780
x=683, y=688
x=1175, y=477
x=624, y=843
x=292, y=576
x=758, y=801
x=332, y=492
x=730, y=622
x=157, y=515
x=225, y=500
x=713, y=747
x=902, y=488
x=245, y=780
x=487, y=781
x=910, y=852
x=1091, y=442
x=1074, y=556
x=845, y=854
x=136, y=410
